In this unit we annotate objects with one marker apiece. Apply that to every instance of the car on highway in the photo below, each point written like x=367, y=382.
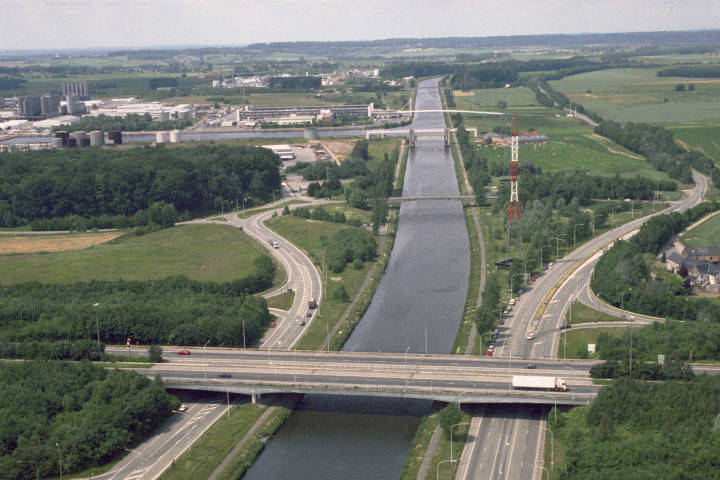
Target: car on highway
x=309, y=313
x=224, y=375
x=512, y=302
x=550, y=264
x=534, y=278
x=531, y=366
x=507, y=311
x=501, y=322
x=184, y=351
x=531, y=336
x=182, y=408
x=302, y=323
x=272, y=325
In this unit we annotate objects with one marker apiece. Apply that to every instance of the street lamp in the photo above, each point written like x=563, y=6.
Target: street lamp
x=245, y=198
x=632, y=318
x=142, y=456
x=685, y=305
x=541, y=248
x=406, y=371
x=205, y=360
x=274, y=198
x=97, y=327
x=187, y=428
x=227, y=391
x=37, y=473
x=612, y=217
x=57, y=445
x=451, y=441
x=437, y=469
x=575, y=233
x=552, y=446
x=243, y=320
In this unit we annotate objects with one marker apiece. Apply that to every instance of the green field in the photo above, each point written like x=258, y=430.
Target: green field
x=639, y=95
x=514, y=97
x=584, y=314
x=200, y=252
x=702, y=136
x=578, y=340
x=707, y=233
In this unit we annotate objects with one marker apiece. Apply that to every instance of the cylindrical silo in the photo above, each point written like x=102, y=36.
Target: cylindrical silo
x=85, y=141
x=97, y=138
x=57, y=142
x=71, y=142
x=164, y=116
x=175, y=136
x=115, y=136
x=162, y=137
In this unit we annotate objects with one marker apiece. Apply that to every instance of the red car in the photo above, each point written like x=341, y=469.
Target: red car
x=489, y=353
x=272, y=325
x=184, y=352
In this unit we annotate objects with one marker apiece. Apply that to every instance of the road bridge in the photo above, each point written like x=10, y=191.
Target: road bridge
x=432, y=377
x=463, y=198
x=415, y=134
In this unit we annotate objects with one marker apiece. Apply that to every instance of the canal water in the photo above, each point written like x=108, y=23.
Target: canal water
x=417, y=308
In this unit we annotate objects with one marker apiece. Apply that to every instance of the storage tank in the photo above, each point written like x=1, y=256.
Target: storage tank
x=85, y=141
x=57, y=142
x=115, y=136
x=71, y=142
x=78, y=135
x=162, y=137
x=62, y=134
x=164, y=116
x=175, y=136
x=97, y=138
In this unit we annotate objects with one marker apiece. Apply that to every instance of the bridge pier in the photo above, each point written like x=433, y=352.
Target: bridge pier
x=254, y=398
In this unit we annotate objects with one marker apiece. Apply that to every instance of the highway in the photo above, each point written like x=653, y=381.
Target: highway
x=513, y=342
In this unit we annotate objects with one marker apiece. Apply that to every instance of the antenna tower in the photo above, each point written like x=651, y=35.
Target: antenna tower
x=514, y=202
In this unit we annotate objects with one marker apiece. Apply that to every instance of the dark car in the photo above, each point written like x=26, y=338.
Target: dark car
x=532, y=366
x=224, y=375
x=565, y=326
x=309, y=313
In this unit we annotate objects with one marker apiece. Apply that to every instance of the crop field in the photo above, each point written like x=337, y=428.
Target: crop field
x=707, y=233
x=639, y=95
x=200, y=252
x=52, y=243
x=702, y=136
x=489, y=97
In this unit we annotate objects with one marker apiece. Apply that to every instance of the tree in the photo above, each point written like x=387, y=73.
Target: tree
x=502, y=104
x=680, y=87
x=340, y=294
x=155, y=353
x=449, y=416
x=691, y=87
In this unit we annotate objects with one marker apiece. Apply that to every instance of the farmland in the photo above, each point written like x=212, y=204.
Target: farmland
x=707, y=233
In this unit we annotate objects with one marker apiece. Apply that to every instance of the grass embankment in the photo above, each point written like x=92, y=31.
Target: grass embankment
x=201, y=252
x=212, y=448
x=700, y=135
x=419, y=447
x=447, y=470
x=578, y=340
x=249, y=213
x=584, y=314
x=283, y=301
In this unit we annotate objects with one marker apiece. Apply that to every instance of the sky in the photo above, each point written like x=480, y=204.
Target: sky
x=70, y=24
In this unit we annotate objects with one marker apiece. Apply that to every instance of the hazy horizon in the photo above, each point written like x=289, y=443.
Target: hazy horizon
x=100, y=24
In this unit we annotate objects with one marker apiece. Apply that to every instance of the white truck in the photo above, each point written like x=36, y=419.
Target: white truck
x=533, y=382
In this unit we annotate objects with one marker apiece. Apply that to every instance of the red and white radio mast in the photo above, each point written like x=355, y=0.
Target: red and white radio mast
x=514, y=201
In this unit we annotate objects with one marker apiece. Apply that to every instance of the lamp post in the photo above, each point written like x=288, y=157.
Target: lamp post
x=632, y=318
x=244, y=198
x=97, y=327
x=593, y=224
x=552, y=446
x=205, y=360
x=187, y=428
x=57, y=445
x=437, y=469
x=575, y=233
x=274, y=198
x=546, y=471
x=406, y=370
x=37, y=473
x=558, y=239
x=243, y=320
x=684, y=305
x=142, y=456
x=227, y=392
x=541, y=249
x=612, y=217
x=451, y=435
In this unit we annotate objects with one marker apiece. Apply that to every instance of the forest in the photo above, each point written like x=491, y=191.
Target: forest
x=174, y=310
x=643, y=430
x=93, y=182
x=92, y=414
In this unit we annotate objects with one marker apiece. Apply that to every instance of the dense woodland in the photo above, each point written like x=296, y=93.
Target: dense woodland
x=91, y=413
x=175, y=310
x=95, y=182
x=643, y=430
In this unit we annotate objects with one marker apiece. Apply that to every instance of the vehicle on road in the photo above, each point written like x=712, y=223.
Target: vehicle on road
x=550, y=264
x=534, y=278
x=507, y=311
x=309, y=313
x=565, y=326
x=520, y=291
x=272, y=325
x=182, y=408
x=532, y=382
x=184, y=351
x=531, y=366
x=531, y=336
x=312, y=303
x=302, y=323
x=512, y=302
x=273, y=243
x=491, y=346
x=489, y=353
x=501, y=322
x=224, y=375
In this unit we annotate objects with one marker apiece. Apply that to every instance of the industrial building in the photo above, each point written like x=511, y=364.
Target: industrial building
x=250, y=113
x=282, y=151
x=78, y=89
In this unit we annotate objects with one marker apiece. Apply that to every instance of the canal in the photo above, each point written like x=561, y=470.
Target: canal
x=417, y=308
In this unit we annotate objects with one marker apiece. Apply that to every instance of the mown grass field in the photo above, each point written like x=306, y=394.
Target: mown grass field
x=578, y=340
x=702, y=136
x=639, y=95
x=584, y=314
x=514, y=97
x=707, y=233
x=200, y=252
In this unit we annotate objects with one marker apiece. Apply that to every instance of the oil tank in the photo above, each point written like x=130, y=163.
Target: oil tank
x=97, y=138
x=175, y=136
x=63, y=135
x=163, y=116
x=115, y=136
x=162, y=137
x=57, y=142
x=85, y=142
x=71, y=142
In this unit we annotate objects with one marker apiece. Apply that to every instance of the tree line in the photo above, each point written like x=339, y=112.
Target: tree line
x=92, y=182
x=641, y=430
x=132, y=122
x=174, y=310
x=692, y=71
x=72, y=416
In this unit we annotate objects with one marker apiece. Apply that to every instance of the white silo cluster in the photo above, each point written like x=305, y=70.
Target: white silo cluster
x=165, y=137
x=97, y=138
